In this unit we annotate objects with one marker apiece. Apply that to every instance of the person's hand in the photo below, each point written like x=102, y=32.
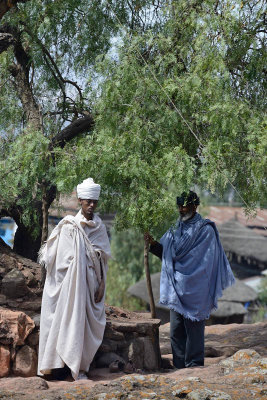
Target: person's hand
x=100, y=291
x=148, y=238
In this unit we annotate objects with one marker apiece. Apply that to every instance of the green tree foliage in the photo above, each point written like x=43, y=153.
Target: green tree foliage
x=63, y=75
x=48, y=51
x=183, y=105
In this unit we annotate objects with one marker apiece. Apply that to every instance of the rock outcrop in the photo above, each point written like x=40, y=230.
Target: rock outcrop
x=14, y=284
x=241, y=377
x=10, y=260
x=16, y=357
x=4, y=361
x=133, y=337
x=129, y=338
x=20, y=278
x=25, y=362
x=225, y=340
x=15, y=326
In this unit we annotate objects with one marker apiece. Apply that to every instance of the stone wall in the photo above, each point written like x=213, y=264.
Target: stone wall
x=18, y=344
x=131, y=337
x=128, y=338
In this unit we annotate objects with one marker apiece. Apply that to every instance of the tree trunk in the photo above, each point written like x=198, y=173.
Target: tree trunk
x=45, y=208
x=25, y=245
x=44, y=234
x=148, y=281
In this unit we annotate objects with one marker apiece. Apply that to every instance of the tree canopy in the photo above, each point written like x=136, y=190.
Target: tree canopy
x=148, y=97
x=48, y=52
x=184, y=105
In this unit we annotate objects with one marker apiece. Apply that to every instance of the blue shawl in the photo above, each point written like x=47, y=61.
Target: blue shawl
x=195, y=269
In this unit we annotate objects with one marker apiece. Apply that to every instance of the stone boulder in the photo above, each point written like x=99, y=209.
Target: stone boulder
x=4, y=361
x=30, y=279
x=22, y=385
x=133, y=337
x=240, y=358
x=10, y=260
x=15, y=326
x=225, y=340
x=6, y=264
x=20, y=282
x=14, y=284
x=25, y=363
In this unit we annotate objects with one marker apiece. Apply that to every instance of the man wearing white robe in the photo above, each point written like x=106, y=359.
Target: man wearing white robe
x=73, y=313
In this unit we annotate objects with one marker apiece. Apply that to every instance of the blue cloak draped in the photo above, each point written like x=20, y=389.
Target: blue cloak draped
x=195, y=269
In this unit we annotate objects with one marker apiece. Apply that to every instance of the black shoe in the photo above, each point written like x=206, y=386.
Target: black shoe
x=60, y=374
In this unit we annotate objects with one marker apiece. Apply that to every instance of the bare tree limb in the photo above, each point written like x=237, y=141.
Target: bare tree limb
x=78, y=126
x=6, y=40
x=55, y=70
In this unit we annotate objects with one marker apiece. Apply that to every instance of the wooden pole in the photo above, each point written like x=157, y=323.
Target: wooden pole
x=148, y=281
x=44, y=227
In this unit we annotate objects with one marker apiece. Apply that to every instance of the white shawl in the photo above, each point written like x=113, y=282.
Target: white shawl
x=72, y=324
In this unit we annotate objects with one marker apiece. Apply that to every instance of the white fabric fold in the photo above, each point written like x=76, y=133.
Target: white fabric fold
x=72, y=324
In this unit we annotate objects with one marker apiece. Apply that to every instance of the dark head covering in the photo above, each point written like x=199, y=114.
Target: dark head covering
x=187, y=199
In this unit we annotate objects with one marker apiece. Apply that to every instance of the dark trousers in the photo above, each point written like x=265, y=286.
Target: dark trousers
x=187, y=341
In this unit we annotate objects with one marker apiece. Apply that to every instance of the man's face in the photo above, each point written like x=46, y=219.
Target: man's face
x=88, y=207
x=187, y=212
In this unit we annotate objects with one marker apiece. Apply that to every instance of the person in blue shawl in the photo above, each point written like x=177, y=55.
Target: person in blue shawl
x=194, y=273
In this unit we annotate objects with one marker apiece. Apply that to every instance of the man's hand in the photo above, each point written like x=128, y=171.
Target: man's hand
x=100, y=291
x=148, y=238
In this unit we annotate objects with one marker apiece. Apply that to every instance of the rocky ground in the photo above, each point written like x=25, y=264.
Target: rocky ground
x=235, y=363
x=242, y=376
x=225, y=340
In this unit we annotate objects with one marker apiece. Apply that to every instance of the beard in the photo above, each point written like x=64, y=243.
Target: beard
x=187, y=216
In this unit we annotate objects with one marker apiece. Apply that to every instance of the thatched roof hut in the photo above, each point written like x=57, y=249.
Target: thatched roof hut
x=239, y=293
x=139, y=289
x=222, y=214
x=241, y=241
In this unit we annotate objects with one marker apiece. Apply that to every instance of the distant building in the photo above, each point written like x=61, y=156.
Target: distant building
x=245, y=249
x=222, y=214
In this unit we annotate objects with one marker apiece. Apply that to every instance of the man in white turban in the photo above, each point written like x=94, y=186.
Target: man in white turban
x=73, y=312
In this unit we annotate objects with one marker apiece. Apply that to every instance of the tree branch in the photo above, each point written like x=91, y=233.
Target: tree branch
x=58, y=76
x=11, y=35
x=6, y=5
x=78, y=126
x=20, y=72
x=6, y=40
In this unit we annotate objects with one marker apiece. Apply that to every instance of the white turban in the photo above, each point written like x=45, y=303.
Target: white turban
x=88, y=189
